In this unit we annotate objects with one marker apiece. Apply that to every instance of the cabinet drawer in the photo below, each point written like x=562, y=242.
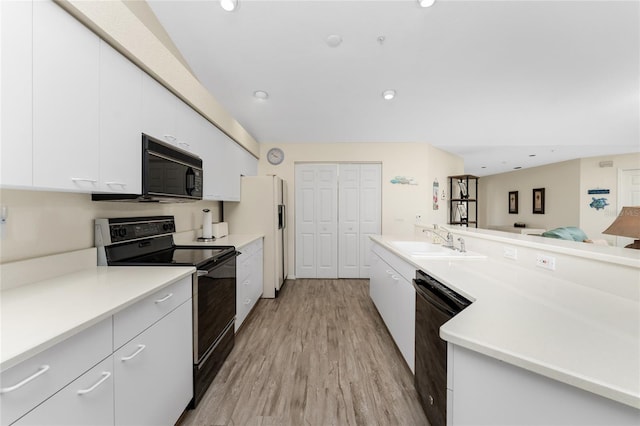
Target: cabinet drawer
x=88, y=400
x=132, y=321
x=55, y=368
x=251, y=248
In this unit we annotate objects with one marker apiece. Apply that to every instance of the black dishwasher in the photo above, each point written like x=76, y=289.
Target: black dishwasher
x=435, y=305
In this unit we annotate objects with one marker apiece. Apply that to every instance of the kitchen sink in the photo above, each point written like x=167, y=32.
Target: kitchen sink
x=429, y=250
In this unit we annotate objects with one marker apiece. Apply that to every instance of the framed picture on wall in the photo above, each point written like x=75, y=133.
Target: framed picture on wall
x=513, y=202
x=538, y=201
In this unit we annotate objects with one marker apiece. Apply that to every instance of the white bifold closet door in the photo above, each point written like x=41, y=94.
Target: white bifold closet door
x=337, y=208
x=316, y=220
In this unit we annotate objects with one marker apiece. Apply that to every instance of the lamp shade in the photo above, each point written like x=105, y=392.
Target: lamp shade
x=627, y=224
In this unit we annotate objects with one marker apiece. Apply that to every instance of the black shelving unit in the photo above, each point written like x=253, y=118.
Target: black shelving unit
x=463, y=200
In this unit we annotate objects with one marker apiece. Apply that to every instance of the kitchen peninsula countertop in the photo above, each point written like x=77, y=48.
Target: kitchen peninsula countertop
x=38, y=315
x=557, y=328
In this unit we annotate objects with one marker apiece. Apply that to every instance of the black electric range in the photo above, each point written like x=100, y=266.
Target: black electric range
x=148, y=241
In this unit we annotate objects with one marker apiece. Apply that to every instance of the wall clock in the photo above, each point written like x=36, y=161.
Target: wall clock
x=275, y=156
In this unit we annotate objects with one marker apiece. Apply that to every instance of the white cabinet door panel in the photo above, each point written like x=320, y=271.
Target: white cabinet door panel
x=88, y=400
x=16, y=139
x=154, y=372
x=120, y=123
x=65, y=101
x=158, y=111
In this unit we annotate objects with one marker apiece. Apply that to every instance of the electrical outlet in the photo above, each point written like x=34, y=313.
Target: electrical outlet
x=546, y=262
x=510, y=253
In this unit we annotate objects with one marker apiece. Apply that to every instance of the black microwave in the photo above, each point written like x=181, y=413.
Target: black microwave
x=169, y=174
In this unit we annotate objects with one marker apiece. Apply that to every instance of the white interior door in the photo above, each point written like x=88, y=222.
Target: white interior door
x=349, y=221
x=305, y=214
x=629, y=195
x=327, y=208
x=370, y=219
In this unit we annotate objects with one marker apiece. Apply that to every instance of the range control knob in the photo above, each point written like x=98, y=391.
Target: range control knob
x=122, y=232
x=167, y=227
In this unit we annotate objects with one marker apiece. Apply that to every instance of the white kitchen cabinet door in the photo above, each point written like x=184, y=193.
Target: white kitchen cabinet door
x=88, y=400
x=191, y=128
x=395, y=299
x=16, y=139
x=249, y=164
x=370, y=223
x=211, y=150
x=120, y=123
x=232, y=169
x=153, y=372
x=159, y=107
x=65, y=101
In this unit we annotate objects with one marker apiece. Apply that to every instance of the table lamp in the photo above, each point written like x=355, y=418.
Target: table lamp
x=627, y=224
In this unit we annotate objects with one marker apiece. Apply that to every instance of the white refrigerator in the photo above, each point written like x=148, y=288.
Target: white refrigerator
x=262, y=210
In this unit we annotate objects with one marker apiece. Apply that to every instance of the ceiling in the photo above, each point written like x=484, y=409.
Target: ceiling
x=503, y=84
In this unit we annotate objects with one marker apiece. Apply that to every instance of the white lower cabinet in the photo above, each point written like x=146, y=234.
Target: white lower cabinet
x=87, y=400
x=393, y=294
x=249, y=279
x=85, y=380
x=153, y=372
x=487, y=391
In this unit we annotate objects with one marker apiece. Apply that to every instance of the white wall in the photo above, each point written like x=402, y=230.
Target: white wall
x=43, y=223
x=567, y=200
x=400, y=203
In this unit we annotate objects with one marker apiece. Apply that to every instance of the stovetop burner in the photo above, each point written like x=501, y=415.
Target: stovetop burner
x=148, y=241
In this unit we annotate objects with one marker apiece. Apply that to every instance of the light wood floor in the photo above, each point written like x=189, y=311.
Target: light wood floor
x=319, y=354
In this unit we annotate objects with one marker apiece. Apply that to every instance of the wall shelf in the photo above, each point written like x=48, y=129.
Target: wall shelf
x=463, y=203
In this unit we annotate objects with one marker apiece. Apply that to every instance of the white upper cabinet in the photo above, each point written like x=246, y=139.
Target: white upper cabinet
x=248, y=164
x=65, y=101
x=16, y=138
x=120, y=123
x=158, y=111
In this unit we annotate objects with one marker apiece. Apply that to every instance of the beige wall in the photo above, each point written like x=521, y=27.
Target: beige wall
x=400, y=203
x=592, y=176
x=43, y=223
x=567, y=201
x=562, y=193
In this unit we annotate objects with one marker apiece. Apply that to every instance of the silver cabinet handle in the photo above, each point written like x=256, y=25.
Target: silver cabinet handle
x=167, y=297
x=122, y=184
x=170, y=138
x=77, y=179
x=43, y=369
x=395, y=277
x=105, y=376
x=135, y=354
x=184, y=145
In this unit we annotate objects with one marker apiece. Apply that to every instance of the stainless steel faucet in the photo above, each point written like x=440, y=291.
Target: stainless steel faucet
x=463, y=249
x=448, y=239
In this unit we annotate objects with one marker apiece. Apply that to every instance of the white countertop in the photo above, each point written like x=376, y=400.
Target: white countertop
x=553, y=327
x=36, y=316
x=236, y=240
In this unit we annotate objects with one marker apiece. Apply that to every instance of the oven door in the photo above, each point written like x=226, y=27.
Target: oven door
x=214, y=303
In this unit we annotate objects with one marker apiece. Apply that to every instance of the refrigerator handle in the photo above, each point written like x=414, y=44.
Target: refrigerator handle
x=281, y=217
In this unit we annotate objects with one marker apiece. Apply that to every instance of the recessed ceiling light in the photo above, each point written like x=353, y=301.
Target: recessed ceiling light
x=483, y=167
x=517, y=168
x=334, y=40
x=260, y=94
x=532, y=155
x=387, y=95
x=426, y=3
x=229, y=5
